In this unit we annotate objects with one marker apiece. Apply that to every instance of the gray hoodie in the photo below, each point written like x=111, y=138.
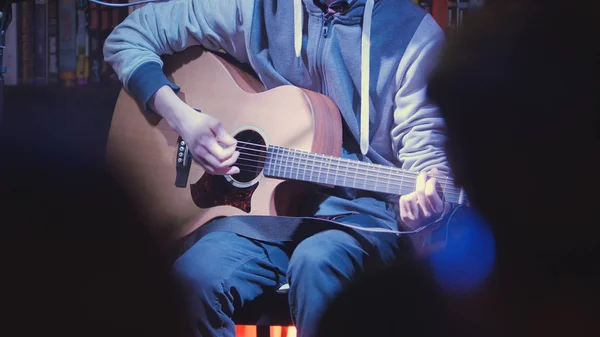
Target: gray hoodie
x=387, y=46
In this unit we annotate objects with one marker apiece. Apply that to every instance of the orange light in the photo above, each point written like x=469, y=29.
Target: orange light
x=276, y=331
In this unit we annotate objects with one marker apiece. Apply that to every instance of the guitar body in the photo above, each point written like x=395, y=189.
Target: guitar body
x=142, y=149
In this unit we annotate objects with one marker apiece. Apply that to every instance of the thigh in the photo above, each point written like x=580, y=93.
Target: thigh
x=224, y=262
x=329, y=253
x=347, y=251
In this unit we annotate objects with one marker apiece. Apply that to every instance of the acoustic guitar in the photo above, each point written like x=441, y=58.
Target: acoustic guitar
x=289, y=139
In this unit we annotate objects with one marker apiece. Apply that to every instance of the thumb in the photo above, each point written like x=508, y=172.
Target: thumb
x=222, y=135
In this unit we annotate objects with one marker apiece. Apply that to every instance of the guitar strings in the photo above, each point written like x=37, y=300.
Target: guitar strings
x=366, y=166
x=310, y=168
x=322, y=165
x=448, y=191
x=391, y=186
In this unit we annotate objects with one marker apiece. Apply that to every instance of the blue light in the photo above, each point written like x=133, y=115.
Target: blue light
x=469, y=255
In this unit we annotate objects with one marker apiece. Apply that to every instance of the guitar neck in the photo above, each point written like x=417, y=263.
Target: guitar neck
x=292, y=164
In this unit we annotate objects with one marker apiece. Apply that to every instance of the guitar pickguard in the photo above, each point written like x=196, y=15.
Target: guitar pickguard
x=215, y=190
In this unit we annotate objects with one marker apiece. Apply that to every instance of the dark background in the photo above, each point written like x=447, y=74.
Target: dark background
x=75, y=119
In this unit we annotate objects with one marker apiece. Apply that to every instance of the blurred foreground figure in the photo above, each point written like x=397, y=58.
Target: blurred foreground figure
x=75, y=259
x=520, y=98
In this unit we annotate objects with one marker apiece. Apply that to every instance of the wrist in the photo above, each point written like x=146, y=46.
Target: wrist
x=170, y=107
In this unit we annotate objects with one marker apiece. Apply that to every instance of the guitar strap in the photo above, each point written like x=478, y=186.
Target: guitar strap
x=269, y=229
x=289, y=229
x=264, y=228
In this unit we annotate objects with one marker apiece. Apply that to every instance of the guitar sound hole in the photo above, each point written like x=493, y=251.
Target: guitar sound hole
x=253, y=151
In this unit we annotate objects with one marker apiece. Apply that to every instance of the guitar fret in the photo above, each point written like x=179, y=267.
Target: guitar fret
x=387, y=179
x=332, y=173
x=269, y=162
x=324, y=169
x=359, y=174
x=277, y=166
x=294, y=163
x=401, y=183
x=266, y=164
x=290, y=164
x=305, y=166
x=322, y=165
x=268, y=158
x=367, y=168
x=302, y=165
x=377, y=173
x=355, y=174
x=283, y=167
x=274, y=161
x=279, y=158
x=343, y=172
x=328, y=170
x=312, y=168
x=319, y=166
x=281, y=163
x=373, y=170
x=298, y=157
x=387, y=185
x=336, y=174
x=287, y=166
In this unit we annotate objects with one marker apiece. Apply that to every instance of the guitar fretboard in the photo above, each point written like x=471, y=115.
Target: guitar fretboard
x=293, y=164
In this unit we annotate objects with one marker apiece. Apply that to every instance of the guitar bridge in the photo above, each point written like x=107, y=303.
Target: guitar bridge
x=184, y=163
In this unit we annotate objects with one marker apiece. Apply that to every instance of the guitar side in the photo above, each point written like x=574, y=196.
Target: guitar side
x=142, y=148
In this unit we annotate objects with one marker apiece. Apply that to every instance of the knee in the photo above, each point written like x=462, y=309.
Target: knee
x=196, y=271
x=193, y=277
x=326, y=254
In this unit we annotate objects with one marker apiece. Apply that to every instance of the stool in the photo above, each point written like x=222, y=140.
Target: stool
x=270, y=309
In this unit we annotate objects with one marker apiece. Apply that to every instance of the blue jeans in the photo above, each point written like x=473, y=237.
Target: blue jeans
x=223, y=271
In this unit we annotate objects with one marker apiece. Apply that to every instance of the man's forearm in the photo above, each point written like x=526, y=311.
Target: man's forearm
x=168, y=105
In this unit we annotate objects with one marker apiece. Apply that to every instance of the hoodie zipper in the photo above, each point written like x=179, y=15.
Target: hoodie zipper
x=320, y=50
x=326, y=25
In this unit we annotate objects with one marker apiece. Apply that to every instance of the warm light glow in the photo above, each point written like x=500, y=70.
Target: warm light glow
x=276, y=331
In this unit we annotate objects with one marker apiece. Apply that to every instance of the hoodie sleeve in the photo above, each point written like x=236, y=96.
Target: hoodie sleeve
x=418, y=132
x=134, y=48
